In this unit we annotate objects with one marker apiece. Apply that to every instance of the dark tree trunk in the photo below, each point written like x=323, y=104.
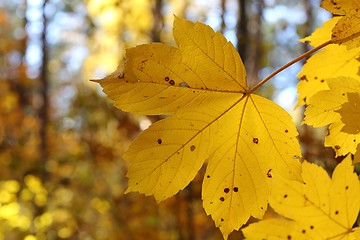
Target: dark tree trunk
x=255, y=55
x=44, y=88
x=158, y=21
x=241, y=30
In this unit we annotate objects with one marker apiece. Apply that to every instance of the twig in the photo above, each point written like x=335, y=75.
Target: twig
x=257, y=86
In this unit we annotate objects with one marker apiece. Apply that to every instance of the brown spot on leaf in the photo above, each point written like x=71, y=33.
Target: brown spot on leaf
x=311, y=227
x=255, y=140
x=167, y=79
x=336, y=212
x=337, y=147
x=172, y=82
x=222, y=219
x=159, y=141
x=289, y=237
x=347, y=187
x=269, y=173
x=236, y=189
x=222, y=199
x=192, y=148
x=226, y=190
x=303, y=231
x=208, y=176
x=285, y=196
x=286, y=131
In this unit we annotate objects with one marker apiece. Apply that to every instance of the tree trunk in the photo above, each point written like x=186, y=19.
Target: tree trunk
x=44, y=88
x=255, y=55
x=241, y=30
x=158, y=21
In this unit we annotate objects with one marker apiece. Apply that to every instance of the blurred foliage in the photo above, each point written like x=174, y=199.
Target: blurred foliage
x=76, y=191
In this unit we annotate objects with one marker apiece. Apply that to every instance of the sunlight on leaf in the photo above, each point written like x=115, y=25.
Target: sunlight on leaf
x=323, y=110
x=321, y=208
x=321, y=34
x=244, y=138
x=347, y=30
x=324, y=65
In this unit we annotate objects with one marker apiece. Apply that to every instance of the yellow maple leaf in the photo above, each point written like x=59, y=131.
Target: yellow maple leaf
x=350, y=116
x=213, y=117
x=347, y=30
x=323, y=110
x=324, y=65
x=321, y=34
x=321, y=208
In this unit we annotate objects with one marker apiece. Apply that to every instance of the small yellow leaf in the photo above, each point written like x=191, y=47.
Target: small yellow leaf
x=322, y=106
x=350, y=113
x=202, y=86
x=324, y=65
x=321, y=34
x=342, y=142
x=347, y=30
x=322, y=208
x=323, y=110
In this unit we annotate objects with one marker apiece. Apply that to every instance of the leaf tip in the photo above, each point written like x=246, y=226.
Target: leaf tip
x=95, y=80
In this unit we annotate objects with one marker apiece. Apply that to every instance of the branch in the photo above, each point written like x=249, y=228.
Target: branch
x=257, y=86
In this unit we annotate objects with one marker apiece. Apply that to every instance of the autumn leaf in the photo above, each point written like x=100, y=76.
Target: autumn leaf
x=347, y=30
x=324, y=65
x=320, y=208
x=244, y=138
x=323, y=110
x=350, y=116
x=321, y=34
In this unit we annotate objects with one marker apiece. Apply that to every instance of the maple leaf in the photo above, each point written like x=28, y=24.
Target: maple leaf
x=213, y=117
x=324, y=65
x=323, y=110
x=321, y=208
x=347, y=30
x=350, y=115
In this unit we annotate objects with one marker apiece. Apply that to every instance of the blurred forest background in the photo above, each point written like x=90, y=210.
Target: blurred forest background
x=61, y=140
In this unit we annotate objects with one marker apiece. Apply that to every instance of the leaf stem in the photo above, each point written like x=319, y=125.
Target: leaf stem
x=257, y=86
